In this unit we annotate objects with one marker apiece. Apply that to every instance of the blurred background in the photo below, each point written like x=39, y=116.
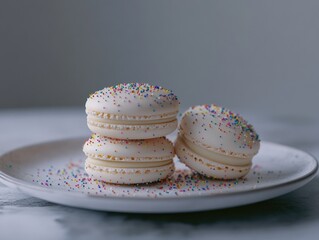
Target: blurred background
x=257, y=56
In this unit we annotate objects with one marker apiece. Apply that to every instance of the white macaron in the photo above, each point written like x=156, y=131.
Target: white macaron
x=128, y=161
x=132, y=111
x=216, y=142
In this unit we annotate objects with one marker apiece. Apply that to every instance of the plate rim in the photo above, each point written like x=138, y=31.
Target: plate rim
x=5, y=178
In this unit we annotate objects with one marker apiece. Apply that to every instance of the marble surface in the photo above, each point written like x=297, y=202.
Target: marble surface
x=293, y=216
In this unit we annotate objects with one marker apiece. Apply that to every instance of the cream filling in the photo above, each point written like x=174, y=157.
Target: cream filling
x=127, y=159
x=213, y=156
x=113, y=164
x=131, y=122
x=109, y=116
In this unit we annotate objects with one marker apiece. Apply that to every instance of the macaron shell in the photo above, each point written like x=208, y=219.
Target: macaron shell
x=128, y=175
x=131, y=99
x=207, y=167
x=103, y=148
x=218, y=129
x=122, y=131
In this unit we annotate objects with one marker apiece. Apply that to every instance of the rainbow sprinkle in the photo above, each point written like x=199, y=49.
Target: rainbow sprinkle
x=232, y=120
x=184, y=182
x=137, y=89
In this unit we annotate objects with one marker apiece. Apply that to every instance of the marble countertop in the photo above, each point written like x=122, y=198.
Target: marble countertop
x=292, y=216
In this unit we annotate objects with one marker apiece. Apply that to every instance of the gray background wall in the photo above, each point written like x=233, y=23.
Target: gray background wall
x=252, y=55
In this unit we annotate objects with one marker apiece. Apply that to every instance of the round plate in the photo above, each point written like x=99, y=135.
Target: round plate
x=54, y=172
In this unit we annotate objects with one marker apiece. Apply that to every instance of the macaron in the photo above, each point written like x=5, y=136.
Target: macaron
x=216, y=142
x=128, y=161
x=132, y=111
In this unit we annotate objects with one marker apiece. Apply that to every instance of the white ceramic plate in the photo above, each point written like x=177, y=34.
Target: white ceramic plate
x=54, y=172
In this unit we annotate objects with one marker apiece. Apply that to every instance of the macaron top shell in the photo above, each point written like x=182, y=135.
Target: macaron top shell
x=218, y=129
x=103, y=148
x=134, y=99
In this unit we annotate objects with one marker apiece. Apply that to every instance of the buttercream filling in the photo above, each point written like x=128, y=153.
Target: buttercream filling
x=109, y=116
x=107, y=157
x=113, y=164
x=213, y=156
x=131, y=122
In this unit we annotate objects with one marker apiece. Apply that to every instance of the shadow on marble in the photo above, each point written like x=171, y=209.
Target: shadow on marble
x=27, y=202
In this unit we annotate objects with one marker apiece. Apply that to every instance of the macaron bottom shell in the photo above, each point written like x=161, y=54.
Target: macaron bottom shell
x=207, y=167
x=134, y=131
x=128, y=175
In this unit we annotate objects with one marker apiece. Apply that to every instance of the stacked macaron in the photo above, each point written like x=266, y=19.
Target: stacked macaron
x=129, y=124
